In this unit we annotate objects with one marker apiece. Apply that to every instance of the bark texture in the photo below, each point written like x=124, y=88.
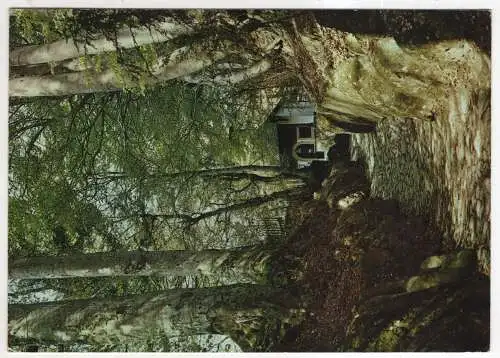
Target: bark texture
x=251, y=264
x=354, y=78
x=67, y=49
x=370, y=79
x=108, y=80
x=250, y=172
x=252, y=315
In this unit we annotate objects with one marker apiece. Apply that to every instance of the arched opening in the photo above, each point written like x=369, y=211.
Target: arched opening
x=306, y=151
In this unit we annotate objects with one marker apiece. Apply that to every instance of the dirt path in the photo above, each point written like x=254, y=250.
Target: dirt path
x=439, y=169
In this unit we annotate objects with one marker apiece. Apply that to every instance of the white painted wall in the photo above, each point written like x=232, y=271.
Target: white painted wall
x=300, y=113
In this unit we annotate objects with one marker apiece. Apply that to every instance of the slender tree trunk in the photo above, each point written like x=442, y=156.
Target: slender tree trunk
x=67, y=49
x=251, y=263
x=235, y=77
x=256, y=172
x=108, y=80
x=253, y=315
x=250, y=203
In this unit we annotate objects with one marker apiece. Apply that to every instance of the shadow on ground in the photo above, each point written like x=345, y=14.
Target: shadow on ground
x=358, y=264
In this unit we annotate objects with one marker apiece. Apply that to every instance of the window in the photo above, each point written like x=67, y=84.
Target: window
x=305, y=132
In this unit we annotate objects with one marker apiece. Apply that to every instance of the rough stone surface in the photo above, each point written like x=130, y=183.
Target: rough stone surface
x=439, y=169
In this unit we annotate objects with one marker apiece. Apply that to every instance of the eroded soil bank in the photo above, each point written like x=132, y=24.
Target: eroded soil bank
x=370, y=292
x=425, y=194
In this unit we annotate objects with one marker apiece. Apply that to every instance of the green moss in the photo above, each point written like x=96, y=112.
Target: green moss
x=422, y=282
x=462, y=259
x=252, y=339
x=388, y=340
x=432, y=262
x=427, y=320
x=98, y=63
x=112, y=60
x=433, y=279
x=356, y=343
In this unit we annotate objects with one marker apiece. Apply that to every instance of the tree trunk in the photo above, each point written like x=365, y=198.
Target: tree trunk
x=250, y=203
x=250, y=263
x=126, y=38
x=235, y=77
x=108, y=80
x=346, y=185
x=253, y=315
x=354, y=79
x=370, y=78
x=251, y=172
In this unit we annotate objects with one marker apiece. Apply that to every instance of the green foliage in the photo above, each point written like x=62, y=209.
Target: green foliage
x=131, y=66
x=85, y=171
x=37, y=26
x=63, y=154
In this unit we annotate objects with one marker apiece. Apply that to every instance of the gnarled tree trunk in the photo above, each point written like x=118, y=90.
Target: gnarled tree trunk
x=253, y=315
x=354, y=78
